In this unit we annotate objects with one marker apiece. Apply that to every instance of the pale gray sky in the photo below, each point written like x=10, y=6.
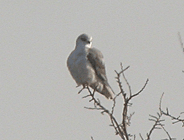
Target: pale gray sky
x=38, y=98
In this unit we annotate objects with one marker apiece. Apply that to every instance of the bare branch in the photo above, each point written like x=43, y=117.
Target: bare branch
x=122, y=70
x=120, y=128
x=119, y=81
x=104, y=110
x=141, y=136
x=81, y=89
x=114, y=103
x=129, y=118
x=140, y=90
x=125, y=117
x=86, y=96
x=166, y=132
x=155, y=125
x=129, y=87
x=173, y=118
x=158, y=120
x=181, y=43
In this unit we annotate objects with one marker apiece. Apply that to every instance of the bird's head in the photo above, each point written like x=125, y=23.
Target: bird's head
x=84, y=40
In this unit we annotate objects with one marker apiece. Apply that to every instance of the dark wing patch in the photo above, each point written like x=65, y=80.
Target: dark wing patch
x=95, y=57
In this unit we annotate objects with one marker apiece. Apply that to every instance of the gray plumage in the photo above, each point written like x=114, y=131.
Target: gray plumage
x=87, y=66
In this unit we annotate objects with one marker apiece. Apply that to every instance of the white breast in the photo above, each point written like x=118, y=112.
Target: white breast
x=80, y=68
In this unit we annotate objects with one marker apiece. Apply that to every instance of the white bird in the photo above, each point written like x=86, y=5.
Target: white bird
x=87, y=67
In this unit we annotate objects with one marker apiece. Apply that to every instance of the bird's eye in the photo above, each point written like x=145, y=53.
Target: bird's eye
x=83, y=39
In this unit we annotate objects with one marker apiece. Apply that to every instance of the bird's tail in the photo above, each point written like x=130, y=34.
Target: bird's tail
x=105, y=90
x=108, y=92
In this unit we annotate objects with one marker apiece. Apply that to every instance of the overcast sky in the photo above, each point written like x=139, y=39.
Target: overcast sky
x=38, y=97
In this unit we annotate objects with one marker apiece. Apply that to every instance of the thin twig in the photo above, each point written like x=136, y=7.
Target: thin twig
x=129, y=87
x=155, y=125
x=166, y=132
x=139, y=90
x=120, y=128
x=141, y=136
x=81, y=89
x=104, y=110
x=119, y=81
x=173, y=118
x=181, y=43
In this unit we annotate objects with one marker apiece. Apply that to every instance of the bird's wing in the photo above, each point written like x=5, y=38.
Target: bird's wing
x=95, y=57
